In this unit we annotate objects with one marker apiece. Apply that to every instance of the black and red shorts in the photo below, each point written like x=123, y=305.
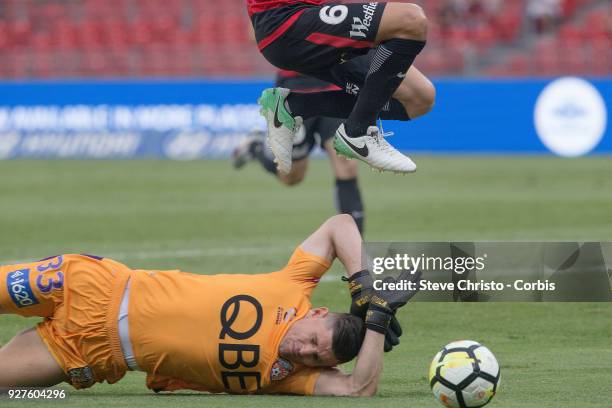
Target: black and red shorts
x=331, y=42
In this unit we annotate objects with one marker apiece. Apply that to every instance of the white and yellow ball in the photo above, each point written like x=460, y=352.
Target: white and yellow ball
x=464, y=374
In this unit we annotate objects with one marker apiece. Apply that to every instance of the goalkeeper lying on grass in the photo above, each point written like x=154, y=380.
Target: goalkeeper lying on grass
x=215, y=333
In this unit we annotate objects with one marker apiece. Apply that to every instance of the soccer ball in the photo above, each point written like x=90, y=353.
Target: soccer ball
x=465, y=374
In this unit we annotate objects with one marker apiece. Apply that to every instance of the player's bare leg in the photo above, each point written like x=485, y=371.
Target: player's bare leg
x=416, y=93
x=25, y=361
x=296, y=175
x=404, y=21
x=343, y=169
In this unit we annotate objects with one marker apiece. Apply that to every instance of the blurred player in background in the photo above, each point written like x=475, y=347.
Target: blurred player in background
x=214, y=333
x=367, y=49
x=314, y=131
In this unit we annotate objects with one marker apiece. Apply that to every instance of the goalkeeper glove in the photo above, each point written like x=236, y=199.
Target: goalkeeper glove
x=384, y=303
x=360, y=287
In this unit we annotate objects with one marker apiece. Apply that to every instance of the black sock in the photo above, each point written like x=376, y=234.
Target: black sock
x=391, y=61
x=394, y=110
x=258, y=150
x=348, y=200
x=337, y=104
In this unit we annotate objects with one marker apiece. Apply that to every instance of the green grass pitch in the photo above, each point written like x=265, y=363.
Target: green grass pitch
x=204, y=217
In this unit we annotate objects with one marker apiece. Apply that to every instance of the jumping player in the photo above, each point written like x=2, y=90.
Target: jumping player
x=215, y=333
x=314, y=131
x=367, y=49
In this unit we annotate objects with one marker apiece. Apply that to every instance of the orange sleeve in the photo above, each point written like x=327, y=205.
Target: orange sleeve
x=305, y=269
x=302, y=382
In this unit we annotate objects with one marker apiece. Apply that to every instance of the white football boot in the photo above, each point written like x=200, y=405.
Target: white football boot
x=374, y=150
x=282, y=126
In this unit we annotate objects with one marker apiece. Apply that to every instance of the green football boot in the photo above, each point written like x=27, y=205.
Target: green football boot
x=282, y=125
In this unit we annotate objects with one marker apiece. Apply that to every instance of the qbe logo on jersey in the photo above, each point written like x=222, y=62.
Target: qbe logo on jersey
x=570, y=117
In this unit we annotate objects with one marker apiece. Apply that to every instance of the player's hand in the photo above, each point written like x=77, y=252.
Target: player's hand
x=361, y=289
x=384, y=303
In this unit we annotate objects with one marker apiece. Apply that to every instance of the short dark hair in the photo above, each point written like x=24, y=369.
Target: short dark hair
x=347, y=336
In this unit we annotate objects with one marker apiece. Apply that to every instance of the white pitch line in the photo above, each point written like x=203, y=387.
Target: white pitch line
x=199, y=252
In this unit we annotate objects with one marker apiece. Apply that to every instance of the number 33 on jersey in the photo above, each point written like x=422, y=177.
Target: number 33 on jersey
x=32, y=289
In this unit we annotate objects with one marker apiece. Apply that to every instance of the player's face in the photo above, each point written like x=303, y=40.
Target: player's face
x=309, y=341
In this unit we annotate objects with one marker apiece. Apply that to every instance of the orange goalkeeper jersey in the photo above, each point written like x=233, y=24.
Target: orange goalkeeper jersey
x=221, y=333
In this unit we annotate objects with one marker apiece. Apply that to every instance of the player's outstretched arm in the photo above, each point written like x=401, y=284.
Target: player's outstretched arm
x=363, y=381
